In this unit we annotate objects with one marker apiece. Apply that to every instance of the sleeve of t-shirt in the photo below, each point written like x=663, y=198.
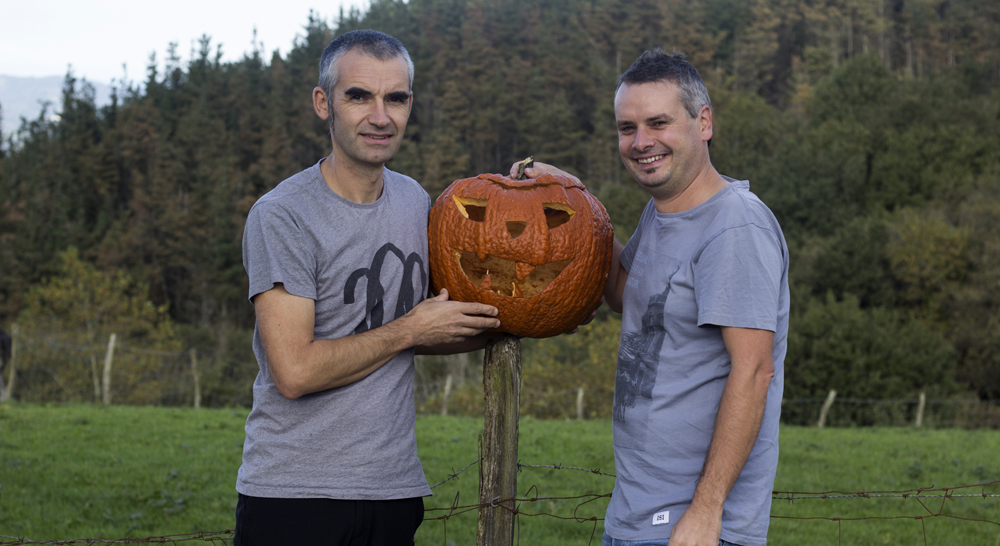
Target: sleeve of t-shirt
x=738, y=279
x=628, y=252
x=275, y=251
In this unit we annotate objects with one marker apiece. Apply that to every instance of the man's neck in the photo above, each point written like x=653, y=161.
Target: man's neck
x=354, y=182
x=708, y=183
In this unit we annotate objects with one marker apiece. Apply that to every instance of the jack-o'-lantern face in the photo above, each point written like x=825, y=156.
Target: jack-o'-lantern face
x=538, y=249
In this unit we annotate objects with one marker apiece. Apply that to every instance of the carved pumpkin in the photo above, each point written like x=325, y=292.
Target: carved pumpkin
x=539, y=250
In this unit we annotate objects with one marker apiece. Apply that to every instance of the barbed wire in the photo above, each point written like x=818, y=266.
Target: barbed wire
x=521, y=465
x=561, y=467
x=214, y=537
x=956, y=401
x=903, y=493
x=516, y=505
x=455, y=474
x=98, y=346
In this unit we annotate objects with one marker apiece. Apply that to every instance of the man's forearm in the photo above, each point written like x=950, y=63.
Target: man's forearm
x=300, y=364
x=465, y=346
x=736, y=426
x=315, y=365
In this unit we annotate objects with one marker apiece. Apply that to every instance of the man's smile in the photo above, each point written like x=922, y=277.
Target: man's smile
x=647, y=160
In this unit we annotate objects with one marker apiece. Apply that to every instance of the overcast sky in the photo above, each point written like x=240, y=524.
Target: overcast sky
x=44, y=37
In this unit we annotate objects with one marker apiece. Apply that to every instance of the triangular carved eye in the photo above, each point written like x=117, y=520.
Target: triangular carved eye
x=557, y=214
x=473, y=209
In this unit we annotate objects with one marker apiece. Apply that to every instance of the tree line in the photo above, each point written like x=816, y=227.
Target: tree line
x=870, y=127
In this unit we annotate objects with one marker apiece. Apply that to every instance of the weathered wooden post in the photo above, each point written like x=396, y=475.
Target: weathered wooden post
x=920, y=409
x=498, y=445
x=826, y=408
x=8, y=390
x=197, y=382
x=444, y=399
x=106, y=376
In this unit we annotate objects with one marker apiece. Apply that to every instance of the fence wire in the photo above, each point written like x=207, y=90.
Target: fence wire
x=920, y=495
x=519, y=506
x=51, y=369
x=212, y=537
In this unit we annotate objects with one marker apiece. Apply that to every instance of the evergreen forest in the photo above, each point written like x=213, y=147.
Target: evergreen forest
x=870, y=127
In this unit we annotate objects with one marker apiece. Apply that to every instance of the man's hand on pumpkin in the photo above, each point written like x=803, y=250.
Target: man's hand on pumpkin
x=539, y=169
x=590, y=317
x=439, y=321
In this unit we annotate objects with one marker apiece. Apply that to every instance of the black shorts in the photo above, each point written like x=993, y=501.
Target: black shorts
x=279, y=522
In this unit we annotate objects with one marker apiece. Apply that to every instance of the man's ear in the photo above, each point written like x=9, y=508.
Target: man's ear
x=320, y=104
x=705, y=123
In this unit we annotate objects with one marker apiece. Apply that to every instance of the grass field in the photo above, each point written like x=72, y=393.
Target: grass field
x=69, y=472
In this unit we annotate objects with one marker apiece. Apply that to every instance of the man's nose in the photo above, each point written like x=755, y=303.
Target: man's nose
x=378, y=116
x=643, y=139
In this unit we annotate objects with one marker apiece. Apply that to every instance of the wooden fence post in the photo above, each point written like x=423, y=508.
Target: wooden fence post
x=498, y=463
x=106, y=378
x=826, y=408
x=194, y=373
x=95, y=379
x=12, y=372
x=579, y=404
x=8, y=391
x=447, y=392
x=920, y=409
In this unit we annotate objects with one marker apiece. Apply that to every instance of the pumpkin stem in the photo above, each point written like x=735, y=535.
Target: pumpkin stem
x=522, y=165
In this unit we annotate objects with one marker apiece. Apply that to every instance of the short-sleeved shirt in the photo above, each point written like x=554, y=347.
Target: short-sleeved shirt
x=722, y=263
x=364, y=265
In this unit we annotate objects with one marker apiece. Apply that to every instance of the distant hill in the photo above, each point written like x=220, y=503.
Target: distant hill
x=23, y=97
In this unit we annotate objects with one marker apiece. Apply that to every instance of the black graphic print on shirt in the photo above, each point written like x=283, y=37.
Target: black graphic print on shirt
x=405, y=301
x=638, y=358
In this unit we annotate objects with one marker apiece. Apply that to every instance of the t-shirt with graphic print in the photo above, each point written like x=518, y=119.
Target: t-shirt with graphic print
x=722, y=263
x=364, y=265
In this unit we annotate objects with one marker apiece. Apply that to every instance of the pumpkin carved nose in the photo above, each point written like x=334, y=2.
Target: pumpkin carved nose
x=516, y=228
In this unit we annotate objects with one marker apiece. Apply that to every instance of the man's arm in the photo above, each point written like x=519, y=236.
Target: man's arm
x=736, y=426
x=617, y=277
x=300, y=364
x=466, y=345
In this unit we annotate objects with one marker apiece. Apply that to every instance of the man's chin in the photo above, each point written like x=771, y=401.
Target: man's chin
x=380, y=156
x=650, y=180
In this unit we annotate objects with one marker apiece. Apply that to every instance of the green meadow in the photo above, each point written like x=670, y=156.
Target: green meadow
x=74, y=472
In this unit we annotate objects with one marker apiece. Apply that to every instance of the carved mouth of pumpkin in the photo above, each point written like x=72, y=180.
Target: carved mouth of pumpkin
x=507, y=277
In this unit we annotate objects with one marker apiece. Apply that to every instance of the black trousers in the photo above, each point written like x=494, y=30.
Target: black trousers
x=327, y=522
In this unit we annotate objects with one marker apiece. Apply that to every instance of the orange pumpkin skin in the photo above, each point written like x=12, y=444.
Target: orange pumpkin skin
x=539, y=250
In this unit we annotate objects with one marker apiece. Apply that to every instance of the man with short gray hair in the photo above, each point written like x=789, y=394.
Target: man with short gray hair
x=337, y=263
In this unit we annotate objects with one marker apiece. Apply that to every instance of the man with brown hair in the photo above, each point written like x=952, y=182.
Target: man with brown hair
x=703, y=288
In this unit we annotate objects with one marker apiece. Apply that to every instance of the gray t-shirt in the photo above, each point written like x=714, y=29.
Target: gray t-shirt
x=722, y=263
x=364, y=265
